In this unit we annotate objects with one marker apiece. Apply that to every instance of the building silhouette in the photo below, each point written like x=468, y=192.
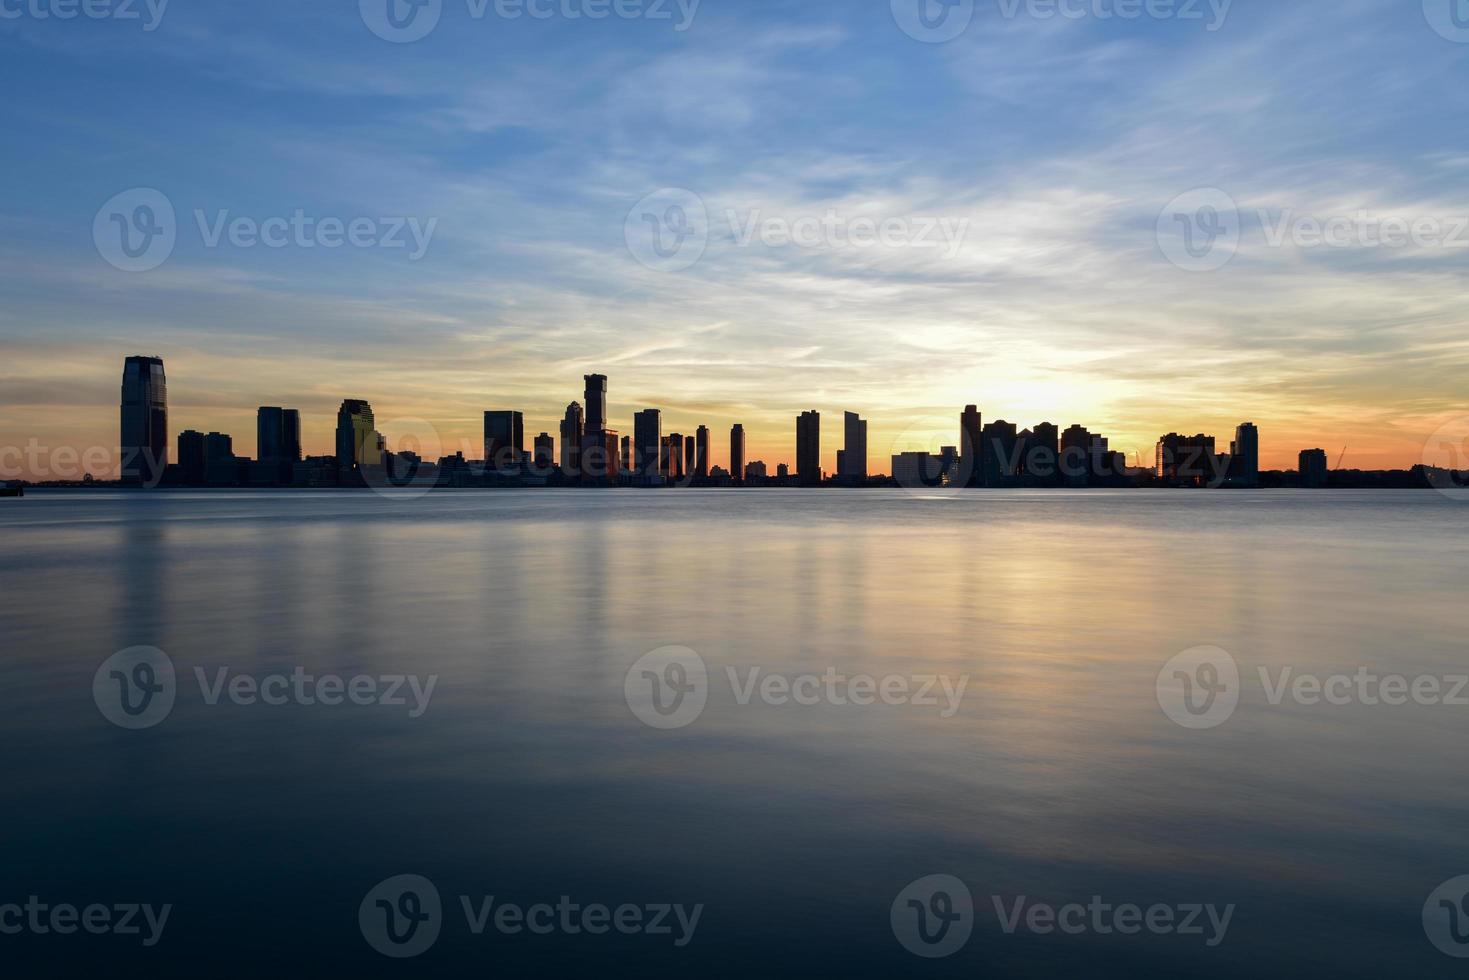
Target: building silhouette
x=971, y=432
x=545, y=451
x=627, y=454
x=573, y=427
x=358, y=444
x=1244, y=456
x=808, y=449
x=701, y=452
x=1186, y=460
x=191, y=457
x=144, y=421
x=1313, y=468
x=648, y=447
x=852, y=458
x=998, y=458
x=737, y=453
x=596, y=401
x=504, y=440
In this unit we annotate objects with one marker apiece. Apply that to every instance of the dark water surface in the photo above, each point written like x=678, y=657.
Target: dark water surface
x=529, y=776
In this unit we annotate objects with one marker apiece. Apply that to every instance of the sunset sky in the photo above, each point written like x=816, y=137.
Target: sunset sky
x=1056, y=143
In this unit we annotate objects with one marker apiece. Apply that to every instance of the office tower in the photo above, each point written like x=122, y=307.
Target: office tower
x=675, y=469
x=808, y=449
x=690, y=450
x=1186, y=460
x=191, y=456
x=218, y=445
x=1244, y=456
x=504, y=439
x=756, y=472
x=737, y=453
x=144, y=418
x=1313, y=468
x=971, y=428
x=572, y=427
x=626, y=454
x=358, y=444
x=997, y=455
x=1074, y=462
x=277, y=435
x=852, y=460
x=1038, y=460
x=545, y=451
x=701, y=452
x=601, y=457
x=596, y=402
x=782, y=471
x=648, y=446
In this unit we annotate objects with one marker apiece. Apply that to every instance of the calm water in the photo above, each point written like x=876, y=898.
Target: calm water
x=529, y=776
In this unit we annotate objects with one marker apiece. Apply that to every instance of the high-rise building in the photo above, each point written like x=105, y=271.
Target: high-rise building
x=1187, y=460
x=573, y=427
x=191, y=457
x=756, y=472
x=997, y=453
x=1075, y=459
x=626, y=454
x=852, y=460
x=737, y=453
x=358, y=444
x=690, y=450
x=504, y=439
x=278, y=435
x=144, y=417
x=808, y=449
x=545, y=451
x=676, y=469
x=596, y=402
x=971, y=429
x=647, y=462
x=1244, y=456
x=1039, y=452
x=701, y=452
x=1313, y=468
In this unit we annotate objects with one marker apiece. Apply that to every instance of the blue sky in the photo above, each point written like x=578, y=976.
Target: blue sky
x=1055, y=142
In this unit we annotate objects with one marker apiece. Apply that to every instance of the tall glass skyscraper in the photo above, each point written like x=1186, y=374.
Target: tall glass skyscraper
x=144, y=434
x=808, y=449
x=357, y=441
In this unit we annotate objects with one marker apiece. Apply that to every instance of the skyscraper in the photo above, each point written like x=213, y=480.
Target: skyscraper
x=997, y=445
x=852, y=460
x=737, y=454
x=191, y=457
x=572, y=429
x=357, y=439
x=596, y=402
x=626, y=454
x=675, y=468
x=647, y=427
x=504, y=439
x=1244, y=456
x=808, y=449
x=1313, y=468
x=144, y=417
x=278, y=435
x=971, y=430
x=690, y=450
x=701, y=452
x=545, y=451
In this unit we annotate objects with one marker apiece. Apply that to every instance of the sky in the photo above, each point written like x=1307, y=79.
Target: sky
x=1056, y=212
